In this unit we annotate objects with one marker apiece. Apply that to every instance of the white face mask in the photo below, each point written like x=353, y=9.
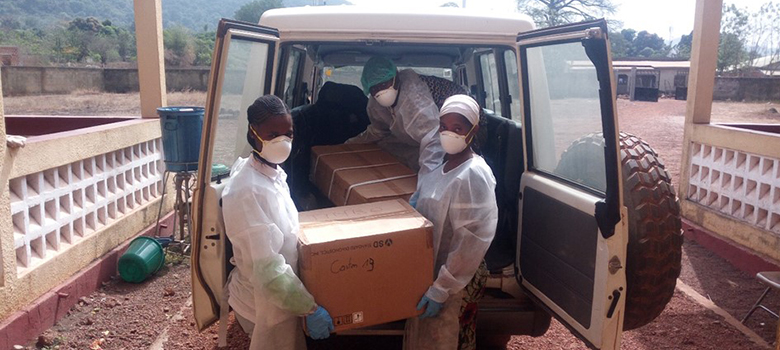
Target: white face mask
x=387, y=97
x=453, y=143
x=275, y=151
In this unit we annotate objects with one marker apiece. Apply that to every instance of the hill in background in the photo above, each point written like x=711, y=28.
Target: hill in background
x=193, y=14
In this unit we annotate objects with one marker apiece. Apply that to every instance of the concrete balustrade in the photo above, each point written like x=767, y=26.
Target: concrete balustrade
x=56, y=208
x=72, y=197
x=730, y=176
x=737, y=184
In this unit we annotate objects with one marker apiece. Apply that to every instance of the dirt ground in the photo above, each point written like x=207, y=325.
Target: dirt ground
x=134, y=316
x=661, y=124
x=122, y=315
x=89, y=103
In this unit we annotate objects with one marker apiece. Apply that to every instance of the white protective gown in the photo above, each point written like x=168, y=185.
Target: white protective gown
x=401, y=128
x=461, y=204
x=261, y=222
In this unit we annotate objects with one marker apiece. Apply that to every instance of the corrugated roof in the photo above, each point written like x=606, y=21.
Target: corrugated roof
x=765, y=61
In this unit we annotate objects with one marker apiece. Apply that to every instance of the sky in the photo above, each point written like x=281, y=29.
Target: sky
x=656, y=16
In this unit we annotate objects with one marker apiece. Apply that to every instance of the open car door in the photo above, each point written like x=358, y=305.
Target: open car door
x=572, y=241
x=241, y=71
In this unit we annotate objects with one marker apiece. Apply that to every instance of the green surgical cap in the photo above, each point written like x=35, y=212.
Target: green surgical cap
x=378, y=69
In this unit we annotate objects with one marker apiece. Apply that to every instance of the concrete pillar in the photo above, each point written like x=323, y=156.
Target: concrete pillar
x=151, y=56
x=701, y=79
x=704, y=60
x=7, y=254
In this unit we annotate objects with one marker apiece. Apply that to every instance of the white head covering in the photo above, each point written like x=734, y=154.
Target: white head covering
x=463, y=105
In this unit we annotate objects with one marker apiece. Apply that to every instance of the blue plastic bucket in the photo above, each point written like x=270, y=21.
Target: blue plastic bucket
x=181, y=131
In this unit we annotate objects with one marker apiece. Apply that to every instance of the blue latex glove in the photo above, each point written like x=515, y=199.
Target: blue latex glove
x=432, y=308
x=413, y=199
x=319, y=323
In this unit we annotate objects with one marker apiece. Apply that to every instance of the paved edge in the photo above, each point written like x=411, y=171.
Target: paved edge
x=708, y=304
x=41, y=314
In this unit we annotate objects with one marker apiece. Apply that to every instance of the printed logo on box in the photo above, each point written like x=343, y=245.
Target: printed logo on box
x=357, y=317
x=342, y=320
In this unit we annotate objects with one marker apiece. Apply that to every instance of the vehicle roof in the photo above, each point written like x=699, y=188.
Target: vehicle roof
x=377, y=23
x=652, y=64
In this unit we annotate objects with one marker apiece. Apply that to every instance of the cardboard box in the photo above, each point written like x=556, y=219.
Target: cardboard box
x=354, y=174
x=366, y=264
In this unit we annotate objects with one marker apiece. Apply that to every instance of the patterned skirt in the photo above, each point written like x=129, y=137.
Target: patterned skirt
x=468, y=309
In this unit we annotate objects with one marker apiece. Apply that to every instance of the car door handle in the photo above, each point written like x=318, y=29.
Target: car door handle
x=613, y=305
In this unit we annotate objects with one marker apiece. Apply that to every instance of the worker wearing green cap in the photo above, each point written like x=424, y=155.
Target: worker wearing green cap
x=402, y=107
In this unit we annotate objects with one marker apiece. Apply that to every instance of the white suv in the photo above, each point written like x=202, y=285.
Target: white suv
x=589, y=226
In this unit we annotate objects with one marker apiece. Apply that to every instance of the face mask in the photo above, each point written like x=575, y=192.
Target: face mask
x=387, y=97
x=452, y=142
x=275, y=151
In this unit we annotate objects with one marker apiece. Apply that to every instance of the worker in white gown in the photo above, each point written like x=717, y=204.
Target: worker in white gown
x=269, y=300
x=456, y=191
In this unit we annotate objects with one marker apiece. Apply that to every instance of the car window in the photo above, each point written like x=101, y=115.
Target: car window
x=487, y=65
x=343, y=75
x=351, y=74
x=565, y=109
x=291, y=77
x=243, y=82
x=510, y=60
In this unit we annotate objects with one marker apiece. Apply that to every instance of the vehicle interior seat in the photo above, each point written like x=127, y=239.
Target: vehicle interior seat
x=500, y=143
x=338, y=114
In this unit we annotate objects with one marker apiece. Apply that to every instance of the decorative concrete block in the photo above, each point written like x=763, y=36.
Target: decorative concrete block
x=738, y=184
x=57, y=207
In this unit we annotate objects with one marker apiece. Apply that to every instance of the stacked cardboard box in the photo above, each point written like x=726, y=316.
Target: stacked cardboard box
x=366, y=264
x=354, y=174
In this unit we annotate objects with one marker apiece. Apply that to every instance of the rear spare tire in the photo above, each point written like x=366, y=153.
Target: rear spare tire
x=654, y=226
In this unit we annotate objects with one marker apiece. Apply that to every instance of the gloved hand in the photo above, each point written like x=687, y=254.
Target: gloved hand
x=432, y=308
x=319, y=323
x=413, y=199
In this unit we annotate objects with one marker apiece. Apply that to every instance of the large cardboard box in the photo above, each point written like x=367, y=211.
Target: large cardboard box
x=363, y=173
x=366, y=264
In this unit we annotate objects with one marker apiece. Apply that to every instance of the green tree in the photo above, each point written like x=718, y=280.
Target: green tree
x=88, y=38
x=89, y=24
x=30, y=42
x=619, y=45
x=204, y=47
x=646, y=52
x=126, y=45
x=629, y=34
x=178, y=46
x=683, y=47
x=652, y=41
x=81, y=34
x=252, y=11
x=629, y=43
x=548, y=13
x=764, y=33
x=732, y=54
